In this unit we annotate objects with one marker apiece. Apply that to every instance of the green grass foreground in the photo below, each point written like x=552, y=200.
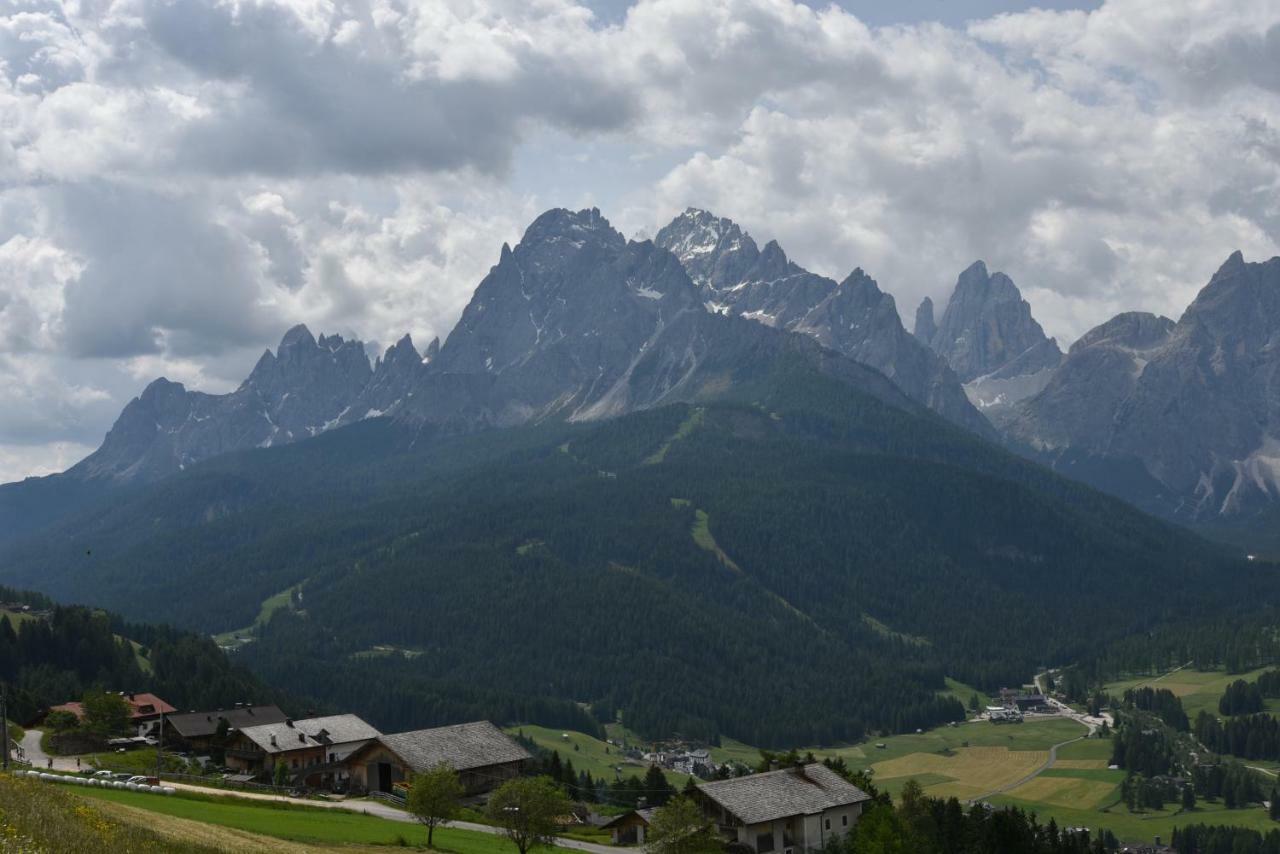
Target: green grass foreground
x=300, y=823
x=40, y=817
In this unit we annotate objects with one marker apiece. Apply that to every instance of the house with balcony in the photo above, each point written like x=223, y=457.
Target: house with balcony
x=314, y=751
x=788, y=811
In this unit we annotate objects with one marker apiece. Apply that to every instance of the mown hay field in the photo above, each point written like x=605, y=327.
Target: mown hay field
x=969, y=772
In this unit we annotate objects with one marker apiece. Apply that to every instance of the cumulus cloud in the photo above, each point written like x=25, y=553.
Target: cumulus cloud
x=182, y=181
x=1106, y=160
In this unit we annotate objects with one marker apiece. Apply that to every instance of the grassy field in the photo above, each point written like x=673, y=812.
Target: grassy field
x=270, y=605
x=705, y=540
x=16, y=618
x=1143, y=826
x=1198, y=689
x=302, y=824
x=137, y=762
x=964, y=693
x=587, y=753
x=41, y=817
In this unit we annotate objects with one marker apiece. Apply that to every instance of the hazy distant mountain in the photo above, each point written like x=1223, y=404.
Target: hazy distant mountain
x=1197, y=403
x=574, y=323
x=853, y=317
x=298, y=391
x=989, y=338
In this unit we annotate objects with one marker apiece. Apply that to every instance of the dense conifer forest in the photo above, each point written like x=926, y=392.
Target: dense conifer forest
x=796, y=563
x=64, y=651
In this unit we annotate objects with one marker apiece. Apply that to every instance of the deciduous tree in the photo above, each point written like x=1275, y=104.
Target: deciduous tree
x=433, y=798
x=681, y=828
x=527, y=808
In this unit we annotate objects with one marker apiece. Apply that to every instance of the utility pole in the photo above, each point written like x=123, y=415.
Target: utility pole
x=4, y=723
x=160, y=745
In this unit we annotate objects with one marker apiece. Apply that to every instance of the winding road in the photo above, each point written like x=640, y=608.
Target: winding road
x=40, y=761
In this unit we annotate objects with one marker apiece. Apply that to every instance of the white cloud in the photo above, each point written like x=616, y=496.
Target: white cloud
x=182, y=181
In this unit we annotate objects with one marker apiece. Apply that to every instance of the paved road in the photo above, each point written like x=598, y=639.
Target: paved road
x=381, y=810
x=39, y=759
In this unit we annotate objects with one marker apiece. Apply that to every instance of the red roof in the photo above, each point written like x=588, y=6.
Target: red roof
x=140, y=706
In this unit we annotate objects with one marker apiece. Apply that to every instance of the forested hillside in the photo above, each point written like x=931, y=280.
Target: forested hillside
x=56, y=653
x=795, y=563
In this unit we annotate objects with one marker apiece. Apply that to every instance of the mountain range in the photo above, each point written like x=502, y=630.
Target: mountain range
x=682, y=479
x=577, y=323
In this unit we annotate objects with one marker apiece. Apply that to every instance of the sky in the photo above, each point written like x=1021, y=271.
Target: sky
x=183, y=180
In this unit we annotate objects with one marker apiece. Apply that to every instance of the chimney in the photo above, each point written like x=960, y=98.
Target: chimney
x=273, y=741
x=302, y=738
x=288, y=722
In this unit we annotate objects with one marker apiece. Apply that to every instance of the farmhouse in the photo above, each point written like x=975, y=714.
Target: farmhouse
x=483, y=755
x=314, y=750
x=144, y=710
x=630, y=828
x=199, y=730
x=787, y=811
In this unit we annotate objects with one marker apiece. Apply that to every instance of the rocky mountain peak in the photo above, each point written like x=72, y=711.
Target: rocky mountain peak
x=1136, y=330
x=576, y=227
x=714, y=251
x=402, y=351
x=298, y=336
x=987, y=324
x=925, y=327
x=854, y=318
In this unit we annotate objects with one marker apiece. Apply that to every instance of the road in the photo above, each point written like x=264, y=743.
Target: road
x=1064, y=711
x=386, y=811
x=1053, y=757
x=40, y=760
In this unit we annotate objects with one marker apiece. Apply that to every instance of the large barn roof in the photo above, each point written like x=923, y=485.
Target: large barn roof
x=203, y=724
x=461, y=746
x=804, y=790
x=310, y=732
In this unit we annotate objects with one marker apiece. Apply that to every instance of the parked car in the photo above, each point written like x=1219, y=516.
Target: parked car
x=102, y=775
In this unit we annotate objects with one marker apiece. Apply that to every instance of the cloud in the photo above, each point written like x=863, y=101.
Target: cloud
x=182, y=181
x=1105, y=160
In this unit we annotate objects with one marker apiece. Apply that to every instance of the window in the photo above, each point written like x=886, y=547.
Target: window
x=764, y=842
x=828, y=821
x=844, y=821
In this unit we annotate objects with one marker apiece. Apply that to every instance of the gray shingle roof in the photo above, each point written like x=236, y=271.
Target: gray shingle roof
x=781, y=794
x=309, y=732
x=203, y=724
x=461, y=746
x=645, y=815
